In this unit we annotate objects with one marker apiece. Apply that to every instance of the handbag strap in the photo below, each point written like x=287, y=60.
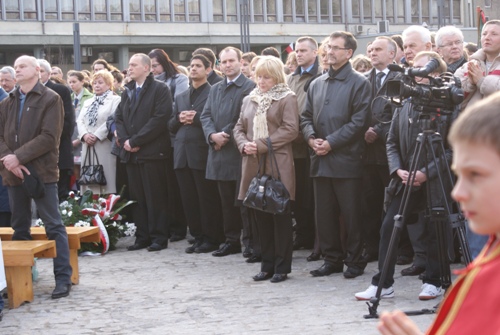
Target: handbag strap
x=87, y=158
x=96, y=159
x=261, y=170
x=272, y=158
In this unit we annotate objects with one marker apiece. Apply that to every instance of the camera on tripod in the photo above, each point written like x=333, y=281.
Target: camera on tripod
x=441, y=95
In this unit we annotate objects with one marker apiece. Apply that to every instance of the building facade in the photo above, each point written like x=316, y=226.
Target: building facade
x=114, y=29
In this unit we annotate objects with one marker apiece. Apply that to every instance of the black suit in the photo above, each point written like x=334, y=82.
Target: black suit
x=199, y=195
x=66, y=161
x=376, y=172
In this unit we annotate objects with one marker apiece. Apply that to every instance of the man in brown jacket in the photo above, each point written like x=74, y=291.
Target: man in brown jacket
x=31, y=121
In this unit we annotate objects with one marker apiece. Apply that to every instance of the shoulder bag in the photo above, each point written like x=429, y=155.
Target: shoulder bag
x=266, y=193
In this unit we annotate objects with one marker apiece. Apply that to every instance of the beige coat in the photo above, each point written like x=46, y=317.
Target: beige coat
x=103, y=145
x=283, y=125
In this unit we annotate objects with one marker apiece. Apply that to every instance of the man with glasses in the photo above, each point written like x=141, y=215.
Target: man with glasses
x=334, y=121
x=450, y=43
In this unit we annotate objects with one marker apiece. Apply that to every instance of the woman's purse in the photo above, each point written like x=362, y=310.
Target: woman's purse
x=92, y=172
x=266, y=193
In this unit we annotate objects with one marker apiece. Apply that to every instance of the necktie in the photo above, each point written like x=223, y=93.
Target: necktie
x=380, y=75
x=76, y=102
x=137, y=92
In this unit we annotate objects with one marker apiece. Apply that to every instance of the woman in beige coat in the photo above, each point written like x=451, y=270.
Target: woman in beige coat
x=270, y=110
x=92, y=129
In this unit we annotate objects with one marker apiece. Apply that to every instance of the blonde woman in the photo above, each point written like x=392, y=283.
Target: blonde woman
x=92, y=129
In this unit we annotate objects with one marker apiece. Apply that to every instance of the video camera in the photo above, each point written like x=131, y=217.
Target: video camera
x=441, y=95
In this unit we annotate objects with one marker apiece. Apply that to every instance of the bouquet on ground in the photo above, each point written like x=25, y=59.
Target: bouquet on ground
x=104, y=212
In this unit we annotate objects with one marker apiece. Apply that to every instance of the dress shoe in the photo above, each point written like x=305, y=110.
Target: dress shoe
x=136, y=246
x=262, y=276
x=247, y=252
x=326, y=270
x=254, y=259
x=404, y=260
x=412, y=271
x=352, y=272
x=422, y=276
x=192, y=248
x=279, y=277
x=206, y=247
x=227, y=249
x=313, y=257
x=156, y=247
x=176, y=237
x=61, y=291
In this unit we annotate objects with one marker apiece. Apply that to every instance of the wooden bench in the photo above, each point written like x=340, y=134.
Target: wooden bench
x=76, y=235
x=18, y=259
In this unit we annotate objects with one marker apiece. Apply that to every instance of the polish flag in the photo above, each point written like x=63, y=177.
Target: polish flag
x=289, y=48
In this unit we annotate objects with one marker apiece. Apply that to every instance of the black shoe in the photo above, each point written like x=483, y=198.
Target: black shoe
x=313, y=257
x=422, y=276
x=326, y=270
x=227, y=249
x=191, y=240
x=247, y=252
x=262, y=276
x=136, y=246
x=192, y=248
x=206, y=247
x=279, y=277
x=156, y=247
x=404, y=260
x=61, y=291
x=352, y=272
x=176, y=237
x=412, y=271
x=254, y=259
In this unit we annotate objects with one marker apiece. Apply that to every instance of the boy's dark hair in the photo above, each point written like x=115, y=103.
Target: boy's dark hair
x=203, y=59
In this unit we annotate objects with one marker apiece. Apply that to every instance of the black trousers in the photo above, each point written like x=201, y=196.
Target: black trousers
x=201, y=203
x=336, y=196
x=231, y=213
x=176, y=216
x=148, y=186
x=276, y=242
x=375, y=180
x=432, y=266
x=64, y=183
x=303, y=206
x=121, y=182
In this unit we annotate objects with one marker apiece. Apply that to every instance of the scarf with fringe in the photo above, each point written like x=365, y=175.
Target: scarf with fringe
x=264, y=101
x=94, y=108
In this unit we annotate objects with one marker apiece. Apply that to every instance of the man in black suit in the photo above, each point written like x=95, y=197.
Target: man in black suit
x=199, y=195
x=142, y=131
x=66, y=161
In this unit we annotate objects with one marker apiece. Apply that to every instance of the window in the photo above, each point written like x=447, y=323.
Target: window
x=258, y=11
x=165, y=11
x=312, y=13
x=180, y=10
x=194, y=10
x=83, y=10
x=100, y=10
x=134, y=7
x=115, y=8
x=67, y=10
x=149, y=10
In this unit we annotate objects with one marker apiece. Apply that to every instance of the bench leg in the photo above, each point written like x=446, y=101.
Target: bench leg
x=19, y=285
x=73, y=260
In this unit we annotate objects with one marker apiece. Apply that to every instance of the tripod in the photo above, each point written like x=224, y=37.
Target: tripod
x=440, y=216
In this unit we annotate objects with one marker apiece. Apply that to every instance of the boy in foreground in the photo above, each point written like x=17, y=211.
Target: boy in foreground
x=471, y=304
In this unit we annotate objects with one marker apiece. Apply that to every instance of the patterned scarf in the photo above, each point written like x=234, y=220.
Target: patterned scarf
x=91, y=113
x=264, y=101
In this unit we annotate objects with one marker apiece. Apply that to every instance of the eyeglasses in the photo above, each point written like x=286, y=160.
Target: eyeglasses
x=450, y=44
x=334, y=48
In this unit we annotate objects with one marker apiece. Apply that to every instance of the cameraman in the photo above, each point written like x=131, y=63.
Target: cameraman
x=401, y=144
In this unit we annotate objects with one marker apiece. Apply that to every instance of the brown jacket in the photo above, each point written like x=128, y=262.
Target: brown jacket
x=283, y=125
x=36, y=139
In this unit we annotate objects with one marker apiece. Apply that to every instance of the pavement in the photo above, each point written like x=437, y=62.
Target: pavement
x=171, y=292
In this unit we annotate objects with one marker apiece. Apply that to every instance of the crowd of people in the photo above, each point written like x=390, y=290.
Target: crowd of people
x=186, y=143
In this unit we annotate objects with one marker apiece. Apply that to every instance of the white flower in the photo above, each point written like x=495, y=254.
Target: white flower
x=39, y=223
x=131, y=228
x=64, y=212
x=70, y=213
x=82, y=224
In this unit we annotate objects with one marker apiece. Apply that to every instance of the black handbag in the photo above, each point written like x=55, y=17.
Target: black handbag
x=266, y=193
x=92, y=172
x=32, y=184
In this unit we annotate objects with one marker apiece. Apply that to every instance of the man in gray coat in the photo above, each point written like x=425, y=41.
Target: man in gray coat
x=335, y=118
x=218, y=118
